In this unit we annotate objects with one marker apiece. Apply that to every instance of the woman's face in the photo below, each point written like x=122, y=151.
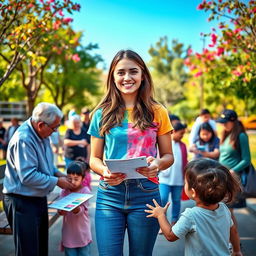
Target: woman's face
x=127, y=77
x=205, y=135
x=228, y=126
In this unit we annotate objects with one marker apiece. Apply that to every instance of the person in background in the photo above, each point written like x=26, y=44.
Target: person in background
x=172, y=179
x=2, y=141
x=30, y=176
x=234, y=151
x=76, y=228
x=207, y=227
x=174, y=119
x=75, y=141
x=11, y=130
x=205, y=116
x=85, y=118
x=56, y=144
x=128, y=123
x=207, y=144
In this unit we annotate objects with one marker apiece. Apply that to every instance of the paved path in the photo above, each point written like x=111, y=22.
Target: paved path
x=246, y=220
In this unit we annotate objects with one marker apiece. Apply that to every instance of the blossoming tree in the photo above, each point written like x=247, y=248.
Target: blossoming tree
x=229, y=61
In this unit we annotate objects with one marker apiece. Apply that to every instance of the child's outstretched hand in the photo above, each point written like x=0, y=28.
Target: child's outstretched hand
x=156, y=211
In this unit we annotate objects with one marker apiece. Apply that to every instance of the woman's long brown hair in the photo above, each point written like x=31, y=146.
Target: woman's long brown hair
x=234, y=134
x=113, y=106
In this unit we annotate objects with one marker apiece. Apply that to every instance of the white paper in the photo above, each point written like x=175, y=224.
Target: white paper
x=70, y=202
x=127, y=166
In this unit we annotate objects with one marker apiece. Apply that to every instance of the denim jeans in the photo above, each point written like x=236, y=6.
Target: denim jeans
x=122, y=207
x=175, y=191
x=80, y=251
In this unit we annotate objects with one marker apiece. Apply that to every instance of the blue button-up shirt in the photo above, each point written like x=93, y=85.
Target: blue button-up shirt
x=29, y=168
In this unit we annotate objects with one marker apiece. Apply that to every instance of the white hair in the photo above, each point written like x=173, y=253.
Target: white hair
x=46, y=112
x=74, y=118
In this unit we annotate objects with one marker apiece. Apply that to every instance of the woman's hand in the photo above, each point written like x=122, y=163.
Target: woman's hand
x=150, y=171
x=156, y=211
x=113, y=179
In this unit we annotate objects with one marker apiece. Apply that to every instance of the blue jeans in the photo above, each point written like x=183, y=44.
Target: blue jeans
x=176, y=191
x=80, y=251
x=122, y=207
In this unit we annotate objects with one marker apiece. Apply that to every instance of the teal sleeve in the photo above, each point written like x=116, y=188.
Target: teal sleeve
x=94, y=129
x=245, y=153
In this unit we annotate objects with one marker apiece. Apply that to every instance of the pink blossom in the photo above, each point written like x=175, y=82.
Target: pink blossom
x=214, y=38
x=220, y=50
x=61, y=13
x=187, y=61
x=67, y=20
x=190, y=51
x=236, y=73
x=221, y=26
x=237, y=30
x=75, y=57
x=199, y=73
x=192, y=67
x=200, y=7
x=56, y=25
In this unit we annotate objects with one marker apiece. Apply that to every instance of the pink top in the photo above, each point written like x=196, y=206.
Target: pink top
x=87, y=180
x=76, y=228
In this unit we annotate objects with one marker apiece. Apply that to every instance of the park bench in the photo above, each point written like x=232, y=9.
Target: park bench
x=4, y=226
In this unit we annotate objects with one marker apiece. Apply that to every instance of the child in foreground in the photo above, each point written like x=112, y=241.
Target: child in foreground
x=76, y=230
x=207, y=227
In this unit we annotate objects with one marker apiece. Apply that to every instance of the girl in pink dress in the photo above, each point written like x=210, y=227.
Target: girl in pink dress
x=76, y=229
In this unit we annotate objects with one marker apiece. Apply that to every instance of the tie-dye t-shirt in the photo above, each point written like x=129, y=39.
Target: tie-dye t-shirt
x=125, y=141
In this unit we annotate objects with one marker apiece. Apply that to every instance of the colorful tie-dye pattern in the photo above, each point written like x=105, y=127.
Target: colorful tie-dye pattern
x=125, y=141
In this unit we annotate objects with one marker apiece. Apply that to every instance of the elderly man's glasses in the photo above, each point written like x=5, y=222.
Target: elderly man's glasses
x=54, y=129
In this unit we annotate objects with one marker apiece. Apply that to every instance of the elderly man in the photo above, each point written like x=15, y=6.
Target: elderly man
x=29, y=176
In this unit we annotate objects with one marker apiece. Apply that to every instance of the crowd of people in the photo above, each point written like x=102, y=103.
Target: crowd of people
x=127, y=123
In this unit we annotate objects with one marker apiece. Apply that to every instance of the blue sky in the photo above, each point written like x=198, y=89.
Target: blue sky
x=136, y=25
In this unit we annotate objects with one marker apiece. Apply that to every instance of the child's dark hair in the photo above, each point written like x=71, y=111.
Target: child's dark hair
x=212, y=181
x=206, y=126
x=77, y=167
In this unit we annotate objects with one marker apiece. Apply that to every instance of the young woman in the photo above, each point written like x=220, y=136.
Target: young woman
x=234, y=150
x=128, y=123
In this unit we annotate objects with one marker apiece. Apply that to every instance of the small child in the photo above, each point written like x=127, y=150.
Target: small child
x=207, y=144
x=207, y=227
x=172, y=179
x=76, y=230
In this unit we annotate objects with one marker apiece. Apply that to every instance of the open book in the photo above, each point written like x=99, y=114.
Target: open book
x=70, y=202
x=127, y=166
